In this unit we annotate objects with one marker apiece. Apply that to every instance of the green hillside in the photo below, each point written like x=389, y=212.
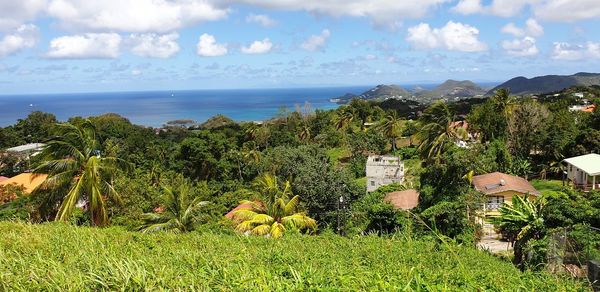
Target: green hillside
x=54, y=257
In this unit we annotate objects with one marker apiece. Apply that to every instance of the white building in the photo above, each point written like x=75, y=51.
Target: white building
x=383, y=170
x=584, y=171
x=28, y=150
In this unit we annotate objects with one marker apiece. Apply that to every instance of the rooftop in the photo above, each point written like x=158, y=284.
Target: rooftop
x=589, y=163
x=404, y=200
x=26, y=180
x=497, y=182
x=26, y=147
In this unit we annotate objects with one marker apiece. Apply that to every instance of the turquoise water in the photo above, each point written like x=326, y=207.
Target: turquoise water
x=154, y=108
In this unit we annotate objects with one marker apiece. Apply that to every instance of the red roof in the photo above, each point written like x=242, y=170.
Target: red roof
x=240, y=206
x=404, y=200
x=497, y=182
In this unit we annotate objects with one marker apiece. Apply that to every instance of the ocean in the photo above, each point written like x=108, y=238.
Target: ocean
x=155, y=108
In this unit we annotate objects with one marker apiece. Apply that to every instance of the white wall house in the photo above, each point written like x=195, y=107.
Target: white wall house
x=383, y=170
x=584, y=171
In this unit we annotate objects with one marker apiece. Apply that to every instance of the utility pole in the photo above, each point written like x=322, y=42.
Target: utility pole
x=340, y=202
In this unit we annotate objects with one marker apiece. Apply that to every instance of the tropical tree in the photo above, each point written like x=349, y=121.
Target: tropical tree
x=74, y=160
x=438, y=131
x=180, y=212
x=344, y=117
x=522, y=221
x=391, y=127
x=275, y=214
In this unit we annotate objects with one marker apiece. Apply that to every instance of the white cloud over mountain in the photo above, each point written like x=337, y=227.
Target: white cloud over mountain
x=575, y=52
x=454, y=36
x=154, y=45
x=524, y=47
x=258, y=47
x=85, y=46
x=25, y=36
x=208, y=47
x=316, y=42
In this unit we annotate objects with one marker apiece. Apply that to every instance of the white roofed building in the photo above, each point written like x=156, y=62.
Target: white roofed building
x=584, y=171
x=383, y=170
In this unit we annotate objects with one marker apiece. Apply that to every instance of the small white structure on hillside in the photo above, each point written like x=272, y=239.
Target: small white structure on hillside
x=584, y=171
x=383, y=170
x=28, y=150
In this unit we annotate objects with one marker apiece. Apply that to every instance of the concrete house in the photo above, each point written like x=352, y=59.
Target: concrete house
x=499, y=188
x=383, y=170
x=584, y=171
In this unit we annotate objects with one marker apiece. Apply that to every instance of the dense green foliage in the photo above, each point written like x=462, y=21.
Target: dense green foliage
x=62, y=257
x=322, y=154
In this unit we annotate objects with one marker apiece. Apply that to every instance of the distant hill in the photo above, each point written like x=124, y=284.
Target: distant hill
x=448, y=89
x=454, y=88
x=549, y=83
x=379, y=92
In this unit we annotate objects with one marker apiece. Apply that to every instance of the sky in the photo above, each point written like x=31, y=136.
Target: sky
x=59, y=46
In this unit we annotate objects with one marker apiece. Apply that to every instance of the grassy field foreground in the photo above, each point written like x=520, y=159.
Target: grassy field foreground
x=63, y=257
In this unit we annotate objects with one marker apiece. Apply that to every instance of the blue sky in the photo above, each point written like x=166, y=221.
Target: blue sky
x=120, y=45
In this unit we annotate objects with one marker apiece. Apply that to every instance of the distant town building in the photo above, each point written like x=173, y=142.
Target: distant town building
x=583, y=108
x=383, y=170
x=27, y=150
x=578, y=94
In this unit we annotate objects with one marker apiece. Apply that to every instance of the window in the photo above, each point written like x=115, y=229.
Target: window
x=494, y=202
x=372, y=183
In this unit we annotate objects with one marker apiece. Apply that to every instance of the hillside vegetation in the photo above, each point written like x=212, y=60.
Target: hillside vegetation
x=62, y=257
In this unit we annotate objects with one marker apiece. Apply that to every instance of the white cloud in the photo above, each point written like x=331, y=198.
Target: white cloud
x=468, y=7
x=25, y=36
x=551, y=10
x=571, y=52
x=383, y=13
x=532, y=28
x=454, y=36
x=567, y=10
x=133, y=15
x=524, y=47
x=14, y=13
x=316, y=42
x=86, y=46
x=504, y=8
x=258, y=47
x=261, y=19
x=208, y=46
x=154, y=45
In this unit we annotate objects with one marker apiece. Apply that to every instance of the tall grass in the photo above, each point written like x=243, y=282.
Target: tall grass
x=62, y=257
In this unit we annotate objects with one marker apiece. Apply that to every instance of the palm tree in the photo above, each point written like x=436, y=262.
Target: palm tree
x=391, y=127
x=344, y=117
x=522, y=221
x=74, y=160
x=275, y=214
x=304, y=133
x=180, y=213
x=437, y=131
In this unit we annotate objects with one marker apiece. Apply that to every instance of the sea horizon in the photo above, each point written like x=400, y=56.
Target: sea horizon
x=156, y=107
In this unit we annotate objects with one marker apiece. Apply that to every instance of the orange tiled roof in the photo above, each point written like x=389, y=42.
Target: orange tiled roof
x=26, y=180
x=497, y=182
x=589, y=108
x=404, y=200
